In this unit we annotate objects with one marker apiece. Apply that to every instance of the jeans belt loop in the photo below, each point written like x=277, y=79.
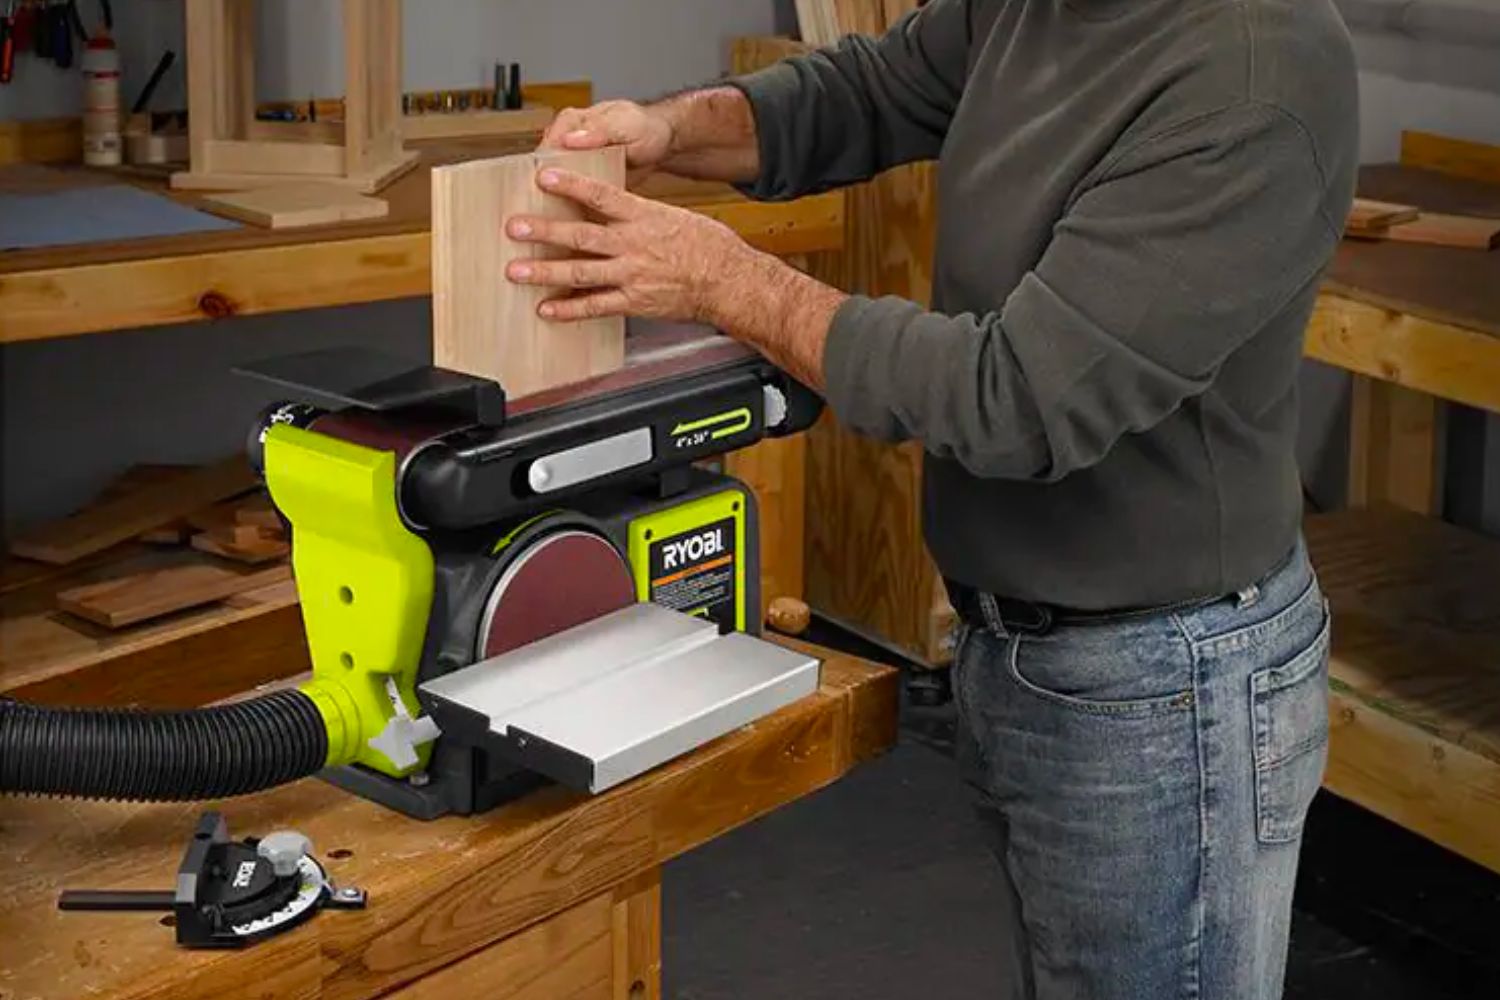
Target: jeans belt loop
x=990, y=609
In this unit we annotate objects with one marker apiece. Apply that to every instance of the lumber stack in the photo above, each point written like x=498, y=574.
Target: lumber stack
x=214, y=533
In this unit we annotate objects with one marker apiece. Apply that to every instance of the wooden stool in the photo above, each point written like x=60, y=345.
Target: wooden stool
x=232, y=150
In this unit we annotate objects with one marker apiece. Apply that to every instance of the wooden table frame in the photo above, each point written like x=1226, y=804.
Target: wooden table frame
x=1416, y=717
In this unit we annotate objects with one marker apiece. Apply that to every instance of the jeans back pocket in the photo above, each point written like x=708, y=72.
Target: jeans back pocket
x=1289, y=708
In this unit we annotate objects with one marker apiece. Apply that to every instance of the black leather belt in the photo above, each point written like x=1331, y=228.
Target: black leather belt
x=1036, y=618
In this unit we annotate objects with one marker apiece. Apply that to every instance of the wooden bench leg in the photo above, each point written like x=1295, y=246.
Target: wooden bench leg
x=1396, y=447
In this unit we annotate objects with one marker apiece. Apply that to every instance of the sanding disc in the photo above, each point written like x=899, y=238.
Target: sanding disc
x=561, y=580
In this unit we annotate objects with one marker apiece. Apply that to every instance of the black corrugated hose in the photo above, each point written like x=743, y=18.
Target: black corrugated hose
x=174, y=756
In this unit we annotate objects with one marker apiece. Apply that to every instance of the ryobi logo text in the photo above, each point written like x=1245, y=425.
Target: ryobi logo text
x=695, y=433
x=692, y=549
x=244, y=874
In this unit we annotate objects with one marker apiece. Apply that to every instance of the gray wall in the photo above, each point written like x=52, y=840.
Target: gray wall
x=75, y=412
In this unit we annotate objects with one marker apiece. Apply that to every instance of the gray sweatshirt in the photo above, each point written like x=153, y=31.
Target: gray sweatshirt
x=1136, y=201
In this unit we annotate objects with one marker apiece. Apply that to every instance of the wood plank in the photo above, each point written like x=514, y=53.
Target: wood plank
x=1396, y=447
x=569, y=957
x=463, y=124
x=108, y=524
x=1368, y=214
x=46, y=140
x=776, y=472
x=141, y=597
x=233, y=156
x=440, y=891
x=286, y=206
x=483, y=324
x=366, y=182
x=1443, y=360
x=1435, y=229
x=1457, y=157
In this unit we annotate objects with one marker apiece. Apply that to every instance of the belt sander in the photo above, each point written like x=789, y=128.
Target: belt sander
x=495, y=592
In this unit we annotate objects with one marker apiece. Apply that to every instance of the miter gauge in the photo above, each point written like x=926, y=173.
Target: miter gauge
x=232, y=893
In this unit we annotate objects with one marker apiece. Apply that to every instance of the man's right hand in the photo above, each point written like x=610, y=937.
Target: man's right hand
x=646, y=133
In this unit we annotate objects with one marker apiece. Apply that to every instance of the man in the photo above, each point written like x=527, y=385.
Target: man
x=1137, y=199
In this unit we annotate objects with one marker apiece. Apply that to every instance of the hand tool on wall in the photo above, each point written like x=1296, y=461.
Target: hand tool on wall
x=513, y=100
x=162, y=65
x=8, y=43
x=61, y=34
x=43, y=21
x=23, y=29
x=230, y=893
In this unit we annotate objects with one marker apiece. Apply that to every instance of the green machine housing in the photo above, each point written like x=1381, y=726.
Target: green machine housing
x=434, y=526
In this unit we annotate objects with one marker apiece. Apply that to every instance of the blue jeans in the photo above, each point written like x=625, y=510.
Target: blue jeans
x=1146, y=781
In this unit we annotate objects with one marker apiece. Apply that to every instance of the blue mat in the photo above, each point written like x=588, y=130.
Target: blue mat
x=101, y=214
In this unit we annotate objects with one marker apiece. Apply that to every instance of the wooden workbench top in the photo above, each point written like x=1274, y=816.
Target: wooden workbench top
x=93, y=288
x=438, y=891
x=1422, y=317
x=1442, y=284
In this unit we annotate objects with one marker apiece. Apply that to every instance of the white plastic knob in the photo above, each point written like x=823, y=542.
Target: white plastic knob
x=284, y=849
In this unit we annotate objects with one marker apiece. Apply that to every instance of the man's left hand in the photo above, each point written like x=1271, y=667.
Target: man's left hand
x=642, y=258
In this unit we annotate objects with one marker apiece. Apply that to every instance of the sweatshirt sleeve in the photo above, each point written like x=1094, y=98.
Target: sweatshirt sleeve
x=844, y=114
x=1186, y=246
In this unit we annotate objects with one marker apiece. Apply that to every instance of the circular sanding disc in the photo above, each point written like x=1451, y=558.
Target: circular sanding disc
x=561, y=580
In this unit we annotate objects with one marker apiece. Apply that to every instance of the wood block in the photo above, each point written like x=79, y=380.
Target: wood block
x=1367, y=214
x=1461, y=231
x=260, y=512
x=243, y=543
x=482, y=323
x=288, y=206
x=98, y=528
x=141, y=597
x=789, y=616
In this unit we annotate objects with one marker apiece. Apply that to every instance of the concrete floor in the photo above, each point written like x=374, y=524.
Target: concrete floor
x=880, y=888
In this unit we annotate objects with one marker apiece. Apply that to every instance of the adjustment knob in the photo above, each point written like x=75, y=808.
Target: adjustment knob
x=284, y=849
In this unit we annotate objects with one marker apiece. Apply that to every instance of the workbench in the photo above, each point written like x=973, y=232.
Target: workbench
x=556, y=895
x=1416, y=602
x=99, y=288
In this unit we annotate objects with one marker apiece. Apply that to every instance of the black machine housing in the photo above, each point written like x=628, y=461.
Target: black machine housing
x=463, y=482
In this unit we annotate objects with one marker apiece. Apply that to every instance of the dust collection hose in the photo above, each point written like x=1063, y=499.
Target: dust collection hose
x=173, y=756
